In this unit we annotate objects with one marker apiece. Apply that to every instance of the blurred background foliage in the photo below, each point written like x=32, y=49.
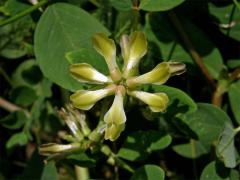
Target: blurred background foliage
x=197, y=138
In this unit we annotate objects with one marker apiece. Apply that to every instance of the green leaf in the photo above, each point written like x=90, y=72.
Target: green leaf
x=207, y=122
x=140, y=144
x=15, y=41
x=233, y=63
x=17, y=139
x=234, y=97
x=225, y=148
x=160, y=33
x=193, y=149
x=20, y=77
x=34, y=167
x=163, y=5
x=216, y=171
x=14, y=120
x=50, y=172
x=33, y=75
x=12, y=7
x=23, y=95
x=148, y=172
x=90, y=56
x=123, y=5
x=61, y=29
x=227, y=17
x=81, y=159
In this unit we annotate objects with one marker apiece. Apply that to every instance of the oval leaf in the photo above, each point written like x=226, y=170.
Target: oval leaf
x=140, y=144
x=148, y=172
x=61, y=29
x=160, y=5
x=234, y=97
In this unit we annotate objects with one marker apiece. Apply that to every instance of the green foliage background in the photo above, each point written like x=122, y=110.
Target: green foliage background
x=196, y=138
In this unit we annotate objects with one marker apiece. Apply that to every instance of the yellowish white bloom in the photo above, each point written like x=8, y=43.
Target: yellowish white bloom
x=157, y=101
x=133, y=48
x=85, y=100
x=86, y=73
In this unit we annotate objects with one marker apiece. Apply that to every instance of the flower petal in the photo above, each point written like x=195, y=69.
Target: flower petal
x=116, y=114
x=159, y=75
x=124, y=44
x=85, y=100
x=106, y=47
x=176, y=68
x=113, y=131
x=53, y=148
x=157, y=101
x=137, y=48
x=86, y=73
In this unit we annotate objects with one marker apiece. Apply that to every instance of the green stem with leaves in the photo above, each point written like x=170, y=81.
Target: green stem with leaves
x=237, y=4
x=195, y=55
x=23, y=13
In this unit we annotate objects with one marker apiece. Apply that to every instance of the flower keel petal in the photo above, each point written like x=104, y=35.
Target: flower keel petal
x=86, y=73
x=116, y=114
x=159, y=75
x=137, y=46
x=113, y=131
x=85, y=100
x=157, y=101
x=106, y=47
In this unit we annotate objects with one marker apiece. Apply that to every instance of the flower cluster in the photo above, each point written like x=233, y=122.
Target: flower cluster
x=121, y=82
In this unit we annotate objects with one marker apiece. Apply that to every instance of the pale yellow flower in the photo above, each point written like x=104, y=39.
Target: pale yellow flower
x=122, y=82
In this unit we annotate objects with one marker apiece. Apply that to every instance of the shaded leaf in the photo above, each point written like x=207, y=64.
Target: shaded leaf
x=81, y=159
x=216, y=171
x=23, y=95
x=123, y=5
x=234, y=97
x=163, y=5
x=50, y=172
x=207, y=122
x=17, y=139
x=160, y=31
x=14, y=120
x=148, y=172
x=140, y=144
x=228, y=18
x=225, y=147
x=34, y=167
x=193, y=149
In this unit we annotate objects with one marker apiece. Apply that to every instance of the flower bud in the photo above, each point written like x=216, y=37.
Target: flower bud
x=52, y=148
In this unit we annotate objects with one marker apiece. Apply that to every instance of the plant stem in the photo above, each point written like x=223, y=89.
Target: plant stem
x=23, y=13
x=8, y=105
x=236, y=130
x=217, y=97
x=81, y=173
x=193, y=150
x=114, y=160
x=235, y=75
x=4, y=74
x=195, y=55
x=237, y=4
